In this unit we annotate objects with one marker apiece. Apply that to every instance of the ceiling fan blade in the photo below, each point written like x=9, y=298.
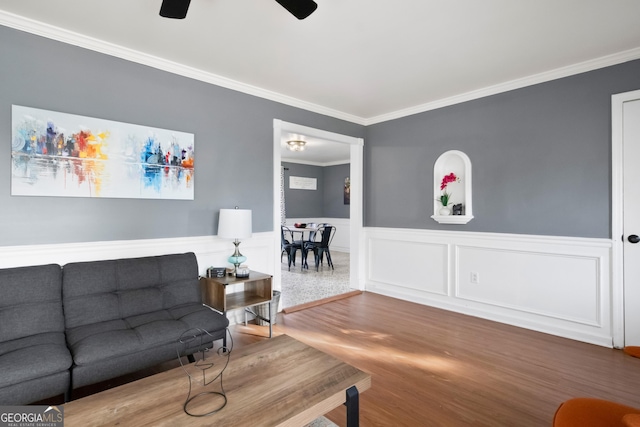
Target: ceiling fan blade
x=299, y=8
x=176, y=9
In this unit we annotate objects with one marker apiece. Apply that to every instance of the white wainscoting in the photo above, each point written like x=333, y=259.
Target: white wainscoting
x=341, y=242
x=555, y=285
x=209, y=250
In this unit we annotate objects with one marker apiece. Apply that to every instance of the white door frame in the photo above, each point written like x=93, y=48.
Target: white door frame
x=617, y=214
x=356, y=175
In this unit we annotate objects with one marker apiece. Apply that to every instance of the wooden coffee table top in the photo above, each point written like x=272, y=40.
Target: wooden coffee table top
x=276, y=382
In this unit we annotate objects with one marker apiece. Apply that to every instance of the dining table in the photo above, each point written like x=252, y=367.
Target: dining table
x=303, y=230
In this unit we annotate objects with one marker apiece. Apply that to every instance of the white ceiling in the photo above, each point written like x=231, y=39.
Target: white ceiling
x=360, y=60
x=318, y=152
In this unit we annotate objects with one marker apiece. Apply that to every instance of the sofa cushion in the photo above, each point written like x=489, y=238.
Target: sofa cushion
x=180, y=283
x=98, y=342
x=76, y=335
x=138, y=273
x=22, y=362
x=89, y=293
x=31, y=301
x=101, y=291
x=198, y=316
x=140, y=301
x=54, y=338
x=104, y=345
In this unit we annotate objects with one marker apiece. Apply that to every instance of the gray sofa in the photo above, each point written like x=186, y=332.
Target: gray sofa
x=118, y=316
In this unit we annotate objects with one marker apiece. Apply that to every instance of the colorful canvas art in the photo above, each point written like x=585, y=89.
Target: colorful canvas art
x=59, y=154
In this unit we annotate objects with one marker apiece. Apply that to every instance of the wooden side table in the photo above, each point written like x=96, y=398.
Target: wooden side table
x=257, y=290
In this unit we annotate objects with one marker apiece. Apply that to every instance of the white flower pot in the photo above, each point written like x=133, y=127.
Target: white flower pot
x=444, y=211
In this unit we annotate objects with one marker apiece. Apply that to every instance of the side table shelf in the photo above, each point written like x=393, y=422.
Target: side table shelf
x=257, y=290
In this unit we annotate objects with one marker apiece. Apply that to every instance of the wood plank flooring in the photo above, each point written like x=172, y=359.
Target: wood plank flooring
x=432, y=367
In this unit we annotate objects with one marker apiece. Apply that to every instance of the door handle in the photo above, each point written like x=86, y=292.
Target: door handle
x=633, y=238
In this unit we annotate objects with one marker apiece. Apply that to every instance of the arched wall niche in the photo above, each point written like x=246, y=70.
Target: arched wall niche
x=458, y=163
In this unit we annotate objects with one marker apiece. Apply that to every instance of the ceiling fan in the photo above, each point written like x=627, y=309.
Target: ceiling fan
x=177, y=9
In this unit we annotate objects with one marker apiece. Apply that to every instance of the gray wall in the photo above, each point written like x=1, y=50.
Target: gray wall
x=334, y=176
x=541, y=158
x=327, y=201
x=233, y=142
x=303, y=203
x=540, y=155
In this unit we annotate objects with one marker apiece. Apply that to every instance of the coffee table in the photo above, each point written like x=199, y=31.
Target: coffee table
x=276, y=382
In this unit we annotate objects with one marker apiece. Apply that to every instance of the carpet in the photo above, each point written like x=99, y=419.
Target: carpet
x=300, y=286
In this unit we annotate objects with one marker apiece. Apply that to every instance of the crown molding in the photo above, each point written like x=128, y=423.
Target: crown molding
x=59, y=34
x=312, y=163
x=62, y=35
x=581, y=67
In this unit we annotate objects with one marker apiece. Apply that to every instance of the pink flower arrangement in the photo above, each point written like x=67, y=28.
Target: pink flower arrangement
x=446, y=180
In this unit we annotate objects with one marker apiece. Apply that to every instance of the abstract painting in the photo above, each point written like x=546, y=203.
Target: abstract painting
x=66, y=155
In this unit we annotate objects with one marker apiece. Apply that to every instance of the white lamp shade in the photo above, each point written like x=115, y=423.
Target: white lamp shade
x=234, y=223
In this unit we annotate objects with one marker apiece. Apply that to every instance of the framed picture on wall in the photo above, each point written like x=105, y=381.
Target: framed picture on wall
x=347, y=191
x=67, y=155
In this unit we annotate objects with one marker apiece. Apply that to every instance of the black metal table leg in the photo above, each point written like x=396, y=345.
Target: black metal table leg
x=353, y=407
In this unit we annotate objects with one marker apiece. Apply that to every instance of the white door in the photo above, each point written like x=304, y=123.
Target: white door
x=631, y=230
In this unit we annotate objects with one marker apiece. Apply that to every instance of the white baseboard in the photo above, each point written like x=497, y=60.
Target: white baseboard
x=555, y=285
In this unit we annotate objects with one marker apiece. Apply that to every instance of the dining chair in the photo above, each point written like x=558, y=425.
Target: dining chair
x=312, y=238
x=288, y=245
x=320, y=248
x=313, y=230
x=590, y=412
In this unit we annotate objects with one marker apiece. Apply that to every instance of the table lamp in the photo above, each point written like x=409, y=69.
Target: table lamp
x=235, y=224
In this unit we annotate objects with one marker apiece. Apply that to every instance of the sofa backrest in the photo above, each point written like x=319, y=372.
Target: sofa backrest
x=30, y=301
x=100, y=291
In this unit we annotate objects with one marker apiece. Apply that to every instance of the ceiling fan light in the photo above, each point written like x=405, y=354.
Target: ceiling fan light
x=299, y=8
x=175, y=9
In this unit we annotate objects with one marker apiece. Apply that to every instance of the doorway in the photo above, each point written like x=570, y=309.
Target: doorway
x=625, y=209
x=281, y=128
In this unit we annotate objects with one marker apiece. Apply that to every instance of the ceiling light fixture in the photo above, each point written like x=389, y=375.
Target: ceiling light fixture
x=296, y=145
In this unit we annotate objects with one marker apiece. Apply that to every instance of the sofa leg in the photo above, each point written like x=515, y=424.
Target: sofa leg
x=190, y=358
x=69, y=391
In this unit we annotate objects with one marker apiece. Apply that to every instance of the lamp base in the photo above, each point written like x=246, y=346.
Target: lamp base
x=237, y=258
x=242, y=274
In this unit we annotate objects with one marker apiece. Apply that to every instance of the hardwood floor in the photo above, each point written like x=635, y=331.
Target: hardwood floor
x=432, y=367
